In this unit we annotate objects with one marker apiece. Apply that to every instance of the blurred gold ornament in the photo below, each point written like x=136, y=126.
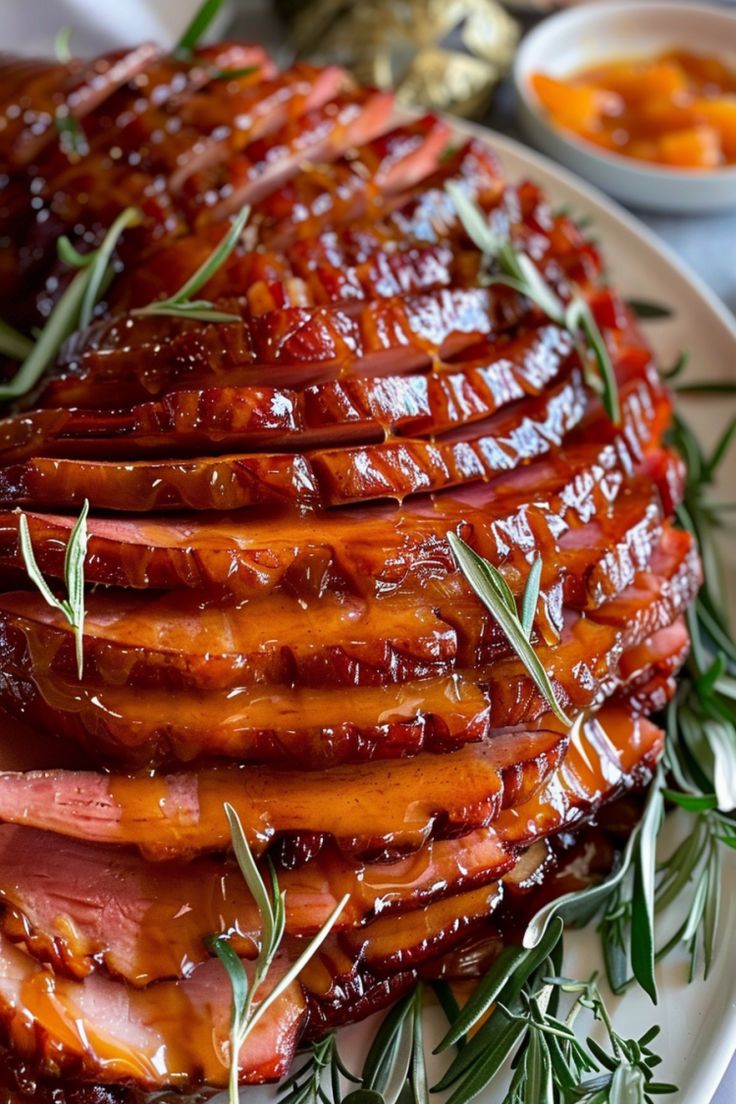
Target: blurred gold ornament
x=445, y=55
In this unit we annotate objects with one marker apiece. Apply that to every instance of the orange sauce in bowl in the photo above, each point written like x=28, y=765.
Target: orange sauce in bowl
x=677, y=109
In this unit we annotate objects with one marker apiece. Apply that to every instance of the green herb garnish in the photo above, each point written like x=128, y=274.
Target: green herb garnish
x=62, y=45
x=306, y=1085
x=13, y=343
x=76, y=551
x=72, y=139
x=495, y=593
x=645, y=308
x=516, y=270
x=247, y=1010
x=196, y=28
x=75, y=304
x=396, y=1059
x=181, y=304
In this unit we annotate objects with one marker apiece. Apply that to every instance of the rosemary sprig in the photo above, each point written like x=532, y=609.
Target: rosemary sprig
x=247, y=1009
x=307, y=1084
x=86, y=285
x=646, y=308
x=198, y=25
x=62, y=45
x=97, y=262
x=76, y=551
x=13, y=343
x=396, y=1060
x=518, y=271
x=495, y=593
x=181, y=304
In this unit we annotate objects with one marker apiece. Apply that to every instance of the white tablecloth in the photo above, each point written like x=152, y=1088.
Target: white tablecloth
x=707, y=244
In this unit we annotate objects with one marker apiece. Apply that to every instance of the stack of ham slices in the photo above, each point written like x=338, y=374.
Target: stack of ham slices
x=274, y=617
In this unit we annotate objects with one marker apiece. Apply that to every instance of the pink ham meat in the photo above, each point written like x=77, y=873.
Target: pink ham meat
x=110, y=1032
x=126, y=914
x=398, y=334
x=363, y=809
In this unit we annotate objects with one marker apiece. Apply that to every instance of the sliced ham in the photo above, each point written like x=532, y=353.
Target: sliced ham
x=334, y=477
x=361, y=808
x=110, y=1032
x=39, y=96
x=125, y=913
x=281, y=724
x=339, y=411
x=407, y=548
x=200, y=641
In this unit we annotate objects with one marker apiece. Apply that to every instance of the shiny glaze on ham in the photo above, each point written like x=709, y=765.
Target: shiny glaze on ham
x=274, y=616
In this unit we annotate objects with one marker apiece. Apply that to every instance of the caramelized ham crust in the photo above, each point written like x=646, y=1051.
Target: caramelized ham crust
x=261, y=627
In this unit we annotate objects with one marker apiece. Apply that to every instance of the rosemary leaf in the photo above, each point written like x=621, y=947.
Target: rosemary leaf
x=531, y=597
x=474, y=222
x=192, y=35
x=517, y=270
x=60, y=324
x=579, y=317
x=642, y=905
x=101, y=259
x=504, y=981
x=419, y=1087
x=72, y=139
x=71, y=256
x=14, y=344
x=707, y=387
x=62, y=45
x=644, y=308
x=693, y=803
x=388, y=1060
x=181, y=304
x=246, y=1012
x=74, y=557
x=486, y=580
x=71, y=308
x=72, y=607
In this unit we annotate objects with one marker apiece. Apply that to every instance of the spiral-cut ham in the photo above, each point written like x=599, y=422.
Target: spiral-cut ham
x=125, y=913
x=273, y=615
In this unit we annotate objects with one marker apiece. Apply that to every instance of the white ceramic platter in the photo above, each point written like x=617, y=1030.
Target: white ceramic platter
x=699, y=1020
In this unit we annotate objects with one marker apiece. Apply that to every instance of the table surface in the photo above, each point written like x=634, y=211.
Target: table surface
x=706, y=243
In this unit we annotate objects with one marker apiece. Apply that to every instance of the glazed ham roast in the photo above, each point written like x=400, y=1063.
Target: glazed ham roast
x=274, y=616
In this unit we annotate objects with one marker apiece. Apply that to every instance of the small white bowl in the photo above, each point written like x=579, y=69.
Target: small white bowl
x=610, y=29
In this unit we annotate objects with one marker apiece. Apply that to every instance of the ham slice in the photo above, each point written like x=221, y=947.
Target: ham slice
x=281, y=724
x=323, y=134
x=333, y=477
x=407, y=548
x=126, y=913
x=363, y=809
x=35, y=95
x=113, y=1033
x=338, y=411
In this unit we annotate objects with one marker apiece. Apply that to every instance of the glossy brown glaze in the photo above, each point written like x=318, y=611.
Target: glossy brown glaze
x=273, y=613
